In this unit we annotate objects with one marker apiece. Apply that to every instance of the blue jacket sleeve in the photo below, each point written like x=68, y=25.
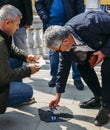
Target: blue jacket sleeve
x=64, y=69
x=66, y=59
x=41, y=10
x=103, y=27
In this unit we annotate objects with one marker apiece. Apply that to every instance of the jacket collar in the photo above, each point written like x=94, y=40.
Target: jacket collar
x=7, y=38
x=72, y=30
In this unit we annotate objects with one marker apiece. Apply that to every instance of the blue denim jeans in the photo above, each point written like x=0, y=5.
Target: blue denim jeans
x=54, y=63
x=15, y=63
x=20, y=38
x=19, y=93
x=75, y=73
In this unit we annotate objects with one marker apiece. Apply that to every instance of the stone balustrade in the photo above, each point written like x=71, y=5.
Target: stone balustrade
x=35, y=37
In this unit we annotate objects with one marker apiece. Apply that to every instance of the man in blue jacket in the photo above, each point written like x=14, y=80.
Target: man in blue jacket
x=58, y=12
x=86, y=37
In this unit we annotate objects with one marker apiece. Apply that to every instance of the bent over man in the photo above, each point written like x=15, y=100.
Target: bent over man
x=87, y=38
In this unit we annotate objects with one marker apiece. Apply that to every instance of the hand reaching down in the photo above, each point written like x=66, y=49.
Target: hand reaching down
x=55, y=101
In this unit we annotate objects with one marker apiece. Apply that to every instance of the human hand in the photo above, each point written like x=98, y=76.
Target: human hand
x=34, y=68
x=96, y=58
x=33, y=58
x=26, y=26
x=55, y=101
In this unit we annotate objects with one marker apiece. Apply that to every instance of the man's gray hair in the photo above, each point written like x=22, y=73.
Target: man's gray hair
x=54, y=35
x=9, y=12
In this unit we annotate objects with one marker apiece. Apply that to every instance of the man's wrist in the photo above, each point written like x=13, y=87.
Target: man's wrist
x=58, y=95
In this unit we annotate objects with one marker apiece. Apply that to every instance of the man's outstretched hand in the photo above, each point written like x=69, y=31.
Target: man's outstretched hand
x=33, y=58
x=55, y=101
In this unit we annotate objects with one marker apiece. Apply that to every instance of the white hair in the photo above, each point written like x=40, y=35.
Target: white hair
x=54, y=35
x=9, y=12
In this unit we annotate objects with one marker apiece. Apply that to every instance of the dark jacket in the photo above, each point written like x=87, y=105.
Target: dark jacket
x=25, y=6
x=6, y=74
x=72, y=8
x=93, y=29
x=6, y=50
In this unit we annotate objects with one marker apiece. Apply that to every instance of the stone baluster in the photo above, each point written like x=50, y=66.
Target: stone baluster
x=35, y=38
x=93, y=5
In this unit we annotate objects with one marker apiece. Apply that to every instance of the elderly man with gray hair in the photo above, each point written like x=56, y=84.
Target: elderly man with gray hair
x=86, y=37
x=13, y=93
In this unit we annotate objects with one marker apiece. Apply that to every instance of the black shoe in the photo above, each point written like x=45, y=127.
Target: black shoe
x=79, y=85
x=92, y=103
x=51, y=83
x=102, y=117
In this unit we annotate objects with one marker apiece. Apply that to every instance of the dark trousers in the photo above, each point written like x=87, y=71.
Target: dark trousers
x=90, y=77
x=4, y=94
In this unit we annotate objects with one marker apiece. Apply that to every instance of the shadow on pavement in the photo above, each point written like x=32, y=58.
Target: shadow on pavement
x=62, y=115
x=71, y=91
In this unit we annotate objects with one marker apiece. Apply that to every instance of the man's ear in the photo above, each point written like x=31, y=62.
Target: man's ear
x=65, y=41
x=7, y=22
x=71, y=39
